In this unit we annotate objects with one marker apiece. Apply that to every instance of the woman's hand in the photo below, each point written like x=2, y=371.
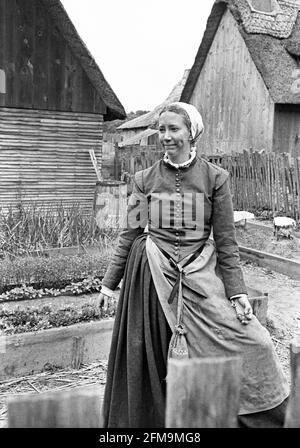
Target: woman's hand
x=103, y=301
x=243, y=308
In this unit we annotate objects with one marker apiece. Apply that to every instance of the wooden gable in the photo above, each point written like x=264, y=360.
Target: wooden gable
x=237, y=109
x=39, y=69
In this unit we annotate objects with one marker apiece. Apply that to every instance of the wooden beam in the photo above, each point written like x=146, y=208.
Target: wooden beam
x=203, y=393
x=95, y=165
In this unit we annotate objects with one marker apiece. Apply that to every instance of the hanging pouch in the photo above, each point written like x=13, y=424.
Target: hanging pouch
x=178, y=347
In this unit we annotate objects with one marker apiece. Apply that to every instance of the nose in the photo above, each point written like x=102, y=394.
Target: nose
x=167, y=135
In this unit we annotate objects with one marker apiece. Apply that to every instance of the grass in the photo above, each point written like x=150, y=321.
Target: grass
x=36, y=227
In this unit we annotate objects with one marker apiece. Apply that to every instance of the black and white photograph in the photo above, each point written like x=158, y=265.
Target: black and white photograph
x=149, y=220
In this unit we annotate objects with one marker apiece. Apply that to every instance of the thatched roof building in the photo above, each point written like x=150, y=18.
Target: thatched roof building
x=148, y=120
x=251, y=48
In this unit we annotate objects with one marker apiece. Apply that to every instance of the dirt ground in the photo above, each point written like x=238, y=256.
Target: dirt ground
x=283, y=307
x=263, y=239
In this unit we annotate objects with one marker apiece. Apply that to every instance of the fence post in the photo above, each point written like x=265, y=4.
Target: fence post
x=203, y=392
x=117, y=163
x=77, y=352
x=260, y=307
x=76, y=408
x=292, y=417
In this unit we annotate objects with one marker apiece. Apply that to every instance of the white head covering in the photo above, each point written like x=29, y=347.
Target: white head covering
x=196, y=130
x=195, y=118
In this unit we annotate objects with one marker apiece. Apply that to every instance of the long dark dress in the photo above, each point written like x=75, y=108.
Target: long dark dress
x=135, y=389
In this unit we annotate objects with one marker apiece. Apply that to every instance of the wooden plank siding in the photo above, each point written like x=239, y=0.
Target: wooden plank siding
x=238, y=112
x=41, y=70
x=44, y=156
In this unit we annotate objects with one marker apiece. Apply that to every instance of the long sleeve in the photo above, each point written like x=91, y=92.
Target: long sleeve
x=225, y=239
x=135, y=222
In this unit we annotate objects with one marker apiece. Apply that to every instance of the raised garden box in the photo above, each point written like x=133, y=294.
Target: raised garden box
x=65, y=347
x=68, y=347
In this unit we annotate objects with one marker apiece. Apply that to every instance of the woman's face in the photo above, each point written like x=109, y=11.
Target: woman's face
x=174, y=136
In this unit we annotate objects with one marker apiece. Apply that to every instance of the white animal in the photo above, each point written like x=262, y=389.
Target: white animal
x=241, y=217
x=283, y=226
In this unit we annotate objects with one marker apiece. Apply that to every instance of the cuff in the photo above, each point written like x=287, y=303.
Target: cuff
x=108, y=292
x=237, y=296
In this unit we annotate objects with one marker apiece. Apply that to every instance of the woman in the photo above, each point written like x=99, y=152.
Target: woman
x=183, y=293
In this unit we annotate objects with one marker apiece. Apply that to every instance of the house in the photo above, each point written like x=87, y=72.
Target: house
x=141, y=130
x=246, y=77
x=53, y=101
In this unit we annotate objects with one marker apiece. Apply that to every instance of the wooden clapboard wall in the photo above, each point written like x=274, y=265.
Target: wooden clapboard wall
x=44, y=156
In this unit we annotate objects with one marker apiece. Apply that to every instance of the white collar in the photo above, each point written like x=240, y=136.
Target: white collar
x=183, y=164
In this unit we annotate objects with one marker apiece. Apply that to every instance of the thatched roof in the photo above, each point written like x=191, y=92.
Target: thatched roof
x=276, y=58
x=137, y=138
x=67, y=29
x=150, y=118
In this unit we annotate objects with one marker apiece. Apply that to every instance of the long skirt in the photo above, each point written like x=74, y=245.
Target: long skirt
x=135, y=392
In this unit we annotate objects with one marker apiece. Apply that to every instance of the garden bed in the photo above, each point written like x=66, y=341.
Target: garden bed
x=260, y=237
x=56, y=348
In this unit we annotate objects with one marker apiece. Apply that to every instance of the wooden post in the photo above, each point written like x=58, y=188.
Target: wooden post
x=292, y=417
x=77, y=352
x=96, y=165
x=76, y=408
x=117, y=171
x=203, y=393
x=260, y=307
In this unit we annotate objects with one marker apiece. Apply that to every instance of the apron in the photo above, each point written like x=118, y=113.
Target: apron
x=204, y=324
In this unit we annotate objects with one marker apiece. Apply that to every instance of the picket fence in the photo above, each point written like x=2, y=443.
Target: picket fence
x=259, y=181
x=201, y=393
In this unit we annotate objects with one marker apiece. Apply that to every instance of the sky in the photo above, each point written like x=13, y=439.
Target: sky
x=142, y=47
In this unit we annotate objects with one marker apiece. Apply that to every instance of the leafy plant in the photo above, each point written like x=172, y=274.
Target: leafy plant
x=34, y=319
x=88, y=285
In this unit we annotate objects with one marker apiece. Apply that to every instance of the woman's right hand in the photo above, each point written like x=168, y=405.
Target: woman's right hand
x=103, y=301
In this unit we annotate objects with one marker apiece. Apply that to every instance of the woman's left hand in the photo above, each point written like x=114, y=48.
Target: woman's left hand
x=243, y=308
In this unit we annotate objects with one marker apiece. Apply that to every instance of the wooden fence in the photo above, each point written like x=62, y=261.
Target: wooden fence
x=201, y=393
x=266, y=181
